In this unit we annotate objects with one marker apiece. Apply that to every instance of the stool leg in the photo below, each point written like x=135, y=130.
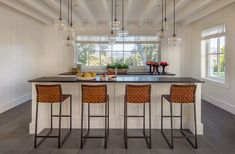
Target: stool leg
x=143, y=117
x=108, y=115
x=181, y=117
x=59, y=125
x=81, y=146
x=125, y=123
x=195, y=124
x=51, y=116
x=161, y=113
x=36, y=126
x=171, y=125
x=105, y=140
x=150, y=134
x=70, y=114
x=88, y=117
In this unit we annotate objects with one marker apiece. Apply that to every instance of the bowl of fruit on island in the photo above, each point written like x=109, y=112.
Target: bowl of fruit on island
x=86, y=76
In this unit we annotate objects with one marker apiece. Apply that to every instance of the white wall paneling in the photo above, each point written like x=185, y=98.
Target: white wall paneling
x=28, y=49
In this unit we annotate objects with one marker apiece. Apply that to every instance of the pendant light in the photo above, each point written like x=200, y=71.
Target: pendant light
x=123, y=32
x=69, y=41
x=116, y=23
x=60, y=24
x=174, y=40
x=165, y=23
x=162, y=33
x=112, y=37
x=71, y=29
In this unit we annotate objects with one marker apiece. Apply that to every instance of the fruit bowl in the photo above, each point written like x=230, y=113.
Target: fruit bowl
x=86, y=78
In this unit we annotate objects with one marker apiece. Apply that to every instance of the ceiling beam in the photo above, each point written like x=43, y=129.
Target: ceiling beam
x=30, y=12
x=170, y=9
x=193, y=7
x=106, y=6
x=206, y=11
x=128, y=9
x=87, y=10
x=41, y=7
x=151, y=5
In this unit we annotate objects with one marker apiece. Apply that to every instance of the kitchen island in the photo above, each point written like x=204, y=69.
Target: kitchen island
x=116, y=91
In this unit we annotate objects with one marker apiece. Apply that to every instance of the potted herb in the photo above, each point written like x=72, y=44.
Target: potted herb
x=122, y=68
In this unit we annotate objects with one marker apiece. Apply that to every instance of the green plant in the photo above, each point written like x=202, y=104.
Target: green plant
x=118, y=66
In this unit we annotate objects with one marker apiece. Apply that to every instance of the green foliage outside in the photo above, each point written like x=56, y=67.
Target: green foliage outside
x=99, y=55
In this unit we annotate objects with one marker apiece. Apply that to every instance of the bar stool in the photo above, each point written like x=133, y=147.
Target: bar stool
x=182, y=94
x=138, y=94
x=52, y=94
x=95, y=94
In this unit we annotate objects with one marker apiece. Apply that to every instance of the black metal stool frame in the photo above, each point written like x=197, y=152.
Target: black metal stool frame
x=148, y=139
x=106, y=116
x=171, y=116
x=60, y=143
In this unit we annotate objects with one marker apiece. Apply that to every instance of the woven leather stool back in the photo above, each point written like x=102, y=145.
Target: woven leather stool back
x=49, y=93
x=183, y=93
x=94, y=93
x=138, y=93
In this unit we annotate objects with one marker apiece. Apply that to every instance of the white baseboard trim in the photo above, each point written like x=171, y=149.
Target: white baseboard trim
x=220, y=103
x=15, y=102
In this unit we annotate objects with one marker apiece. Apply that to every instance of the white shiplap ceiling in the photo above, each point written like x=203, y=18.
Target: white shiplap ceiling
x=141, y=16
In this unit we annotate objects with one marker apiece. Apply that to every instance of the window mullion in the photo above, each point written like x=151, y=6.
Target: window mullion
x=218, y=56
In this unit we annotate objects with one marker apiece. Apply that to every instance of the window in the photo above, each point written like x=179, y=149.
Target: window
x=133, y=50
x=213, y=49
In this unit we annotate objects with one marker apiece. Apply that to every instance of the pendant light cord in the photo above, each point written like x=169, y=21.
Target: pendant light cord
x=174, y=20
x=60, y=11
x=68, y=12
x=68, y=19
x=111, y=16
x=115, y=10
x=165, y=12
x=162, y=17
x=122, y=14
x=71, y=13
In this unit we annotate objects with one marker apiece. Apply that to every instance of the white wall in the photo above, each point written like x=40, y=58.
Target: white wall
x=28, y=49
x=218, y=94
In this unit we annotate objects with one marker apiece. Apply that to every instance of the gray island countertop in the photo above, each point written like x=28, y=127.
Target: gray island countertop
x=123, y=79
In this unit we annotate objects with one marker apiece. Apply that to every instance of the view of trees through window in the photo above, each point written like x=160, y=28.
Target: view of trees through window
x=215, y=49
x=135, y=54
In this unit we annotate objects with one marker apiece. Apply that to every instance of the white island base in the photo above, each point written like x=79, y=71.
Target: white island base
x=116, y=93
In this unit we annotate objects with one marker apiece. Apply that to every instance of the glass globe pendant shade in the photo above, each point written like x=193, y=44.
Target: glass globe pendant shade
x=112, y=39
x=122, y=33
x=174, y=40
x=162, y=34
x=69, y=42
x=165, y=26
x=71, y=31
x=116, y=25
x=60, y=25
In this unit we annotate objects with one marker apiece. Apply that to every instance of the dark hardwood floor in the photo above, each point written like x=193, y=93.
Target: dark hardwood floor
x=219, y=137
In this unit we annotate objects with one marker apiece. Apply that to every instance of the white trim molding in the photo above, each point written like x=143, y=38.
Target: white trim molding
x=15, y=102
x=220, y=103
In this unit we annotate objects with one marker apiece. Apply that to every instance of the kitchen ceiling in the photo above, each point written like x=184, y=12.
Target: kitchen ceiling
x=94, y=15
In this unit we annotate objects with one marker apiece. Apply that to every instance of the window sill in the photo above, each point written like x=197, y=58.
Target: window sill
x=218, y=83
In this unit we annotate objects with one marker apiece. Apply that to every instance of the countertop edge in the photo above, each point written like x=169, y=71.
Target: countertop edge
x=74, y=80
